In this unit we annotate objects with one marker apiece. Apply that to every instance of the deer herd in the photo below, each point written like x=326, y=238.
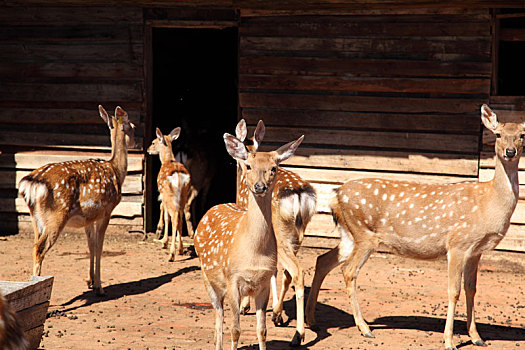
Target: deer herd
x=239, y=244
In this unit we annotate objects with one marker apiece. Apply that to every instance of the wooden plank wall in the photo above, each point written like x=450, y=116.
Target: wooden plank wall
x=57, y=64
x=386, y=95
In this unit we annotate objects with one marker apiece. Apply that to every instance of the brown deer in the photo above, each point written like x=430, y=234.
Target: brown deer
x=11, y=334
x=237, y=247
x=173, y=182
x=293, y=205
x=79, y=194
x=460, y=221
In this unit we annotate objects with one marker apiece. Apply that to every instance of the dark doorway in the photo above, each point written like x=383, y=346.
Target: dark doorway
x=195, y=87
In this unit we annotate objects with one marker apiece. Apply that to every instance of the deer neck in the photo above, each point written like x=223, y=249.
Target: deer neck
x=166, y=155
x=119, y=154
x=258, y=220
x=505, y=185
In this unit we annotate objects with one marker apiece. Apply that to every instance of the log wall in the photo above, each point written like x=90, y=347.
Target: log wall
x=386, y=95
x=57, y=64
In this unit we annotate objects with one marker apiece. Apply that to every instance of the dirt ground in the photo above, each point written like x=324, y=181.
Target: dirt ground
x=151, y=303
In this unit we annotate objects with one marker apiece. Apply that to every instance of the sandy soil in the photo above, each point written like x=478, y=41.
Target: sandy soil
x=154, y=304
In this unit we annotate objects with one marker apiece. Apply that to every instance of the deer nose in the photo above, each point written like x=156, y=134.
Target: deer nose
x=510, y=152
x=259, y=187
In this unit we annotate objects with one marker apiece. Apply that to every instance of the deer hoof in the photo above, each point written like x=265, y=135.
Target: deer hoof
x=245, y=310
x=368, y=335
x=100, y=292
x=479, y=342
x=451, y=348
x=277, y=319
x=297, y=340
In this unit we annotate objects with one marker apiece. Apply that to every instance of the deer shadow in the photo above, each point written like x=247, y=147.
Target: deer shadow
x=434, y=324
x=328, y=317
x=117, y=291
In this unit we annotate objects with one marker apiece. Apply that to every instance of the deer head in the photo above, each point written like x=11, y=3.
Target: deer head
x=261, y=168
x=162, y=144
x=121, y=129
x=509, y=136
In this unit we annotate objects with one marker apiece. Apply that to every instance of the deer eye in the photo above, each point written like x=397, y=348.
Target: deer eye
x=274, y=169
x=498, y=135
x=522, y=136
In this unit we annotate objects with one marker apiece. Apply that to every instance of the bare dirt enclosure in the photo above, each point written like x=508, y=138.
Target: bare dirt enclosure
x=151, y=303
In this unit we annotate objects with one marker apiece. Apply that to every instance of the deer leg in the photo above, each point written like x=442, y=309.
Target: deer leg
x=261, y=302
x=455, y=270
x=275, y=294
x=90, y=233
x=277, y=317
x=48, y=236
x=217, y=300
x=187, y=210
x=351, y=269
x=325, y=263
x=167, y=218
x=293, y=273
x=235, y=303
x=470, y=280
x=160, y=225
x=101, y=227
x=176, y=232
x=245, y=305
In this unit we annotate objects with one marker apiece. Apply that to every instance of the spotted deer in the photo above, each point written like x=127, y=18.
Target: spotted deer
x=459, y=221
x=11, y=334
x=237, y=246
x=173, y=182
x=293, y=205
x=79, y=194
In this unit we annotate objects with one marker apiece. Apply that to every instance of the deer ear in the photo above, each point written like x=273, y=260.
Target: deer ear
x=286, y=151
x=489, y=118
x=105, y=116
x=235, y=147
x=121, y=114
x=240, y=130
x=258, y=134
x=175, y=133
x=160, y=136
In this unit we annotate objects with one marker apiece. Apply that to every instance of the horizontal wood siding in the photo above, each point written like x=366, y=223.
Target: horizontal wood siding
x=376, y=95
x=57, y=64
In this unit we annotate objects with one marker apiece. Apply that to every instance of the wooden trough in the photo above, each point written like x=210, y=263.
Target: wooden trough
x=30, y=300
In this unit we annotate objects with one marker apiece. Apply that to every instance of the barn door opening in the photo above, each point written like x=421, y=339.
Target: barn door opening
x=194, y=86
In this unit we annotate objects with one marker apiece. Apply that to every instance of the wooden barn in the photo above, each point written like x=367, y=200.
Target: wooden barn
x=386, y=88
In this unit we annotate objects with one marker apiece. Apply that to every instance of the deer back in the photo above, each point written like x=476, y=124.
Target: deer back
x=418, y=220
x=87, y=189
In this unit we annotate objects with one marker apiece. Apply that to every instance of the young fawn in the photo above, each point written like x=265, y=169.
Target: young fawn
x=80, y=194
x=11, y=335
x=460, y=220
x=174, y=184
x=237, y=247
x=293, y=205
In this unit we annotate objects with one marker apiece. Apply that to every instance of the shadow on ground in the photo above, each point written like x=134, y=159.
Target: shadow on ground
x=117, y=291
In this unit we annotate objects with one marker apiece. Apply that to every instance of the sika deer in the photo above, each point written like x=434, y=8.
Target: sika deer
x=293, y=205
x=237, y=247
x=11, y=334
x=80, y=194
x=460, y=220
x=173, y=183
